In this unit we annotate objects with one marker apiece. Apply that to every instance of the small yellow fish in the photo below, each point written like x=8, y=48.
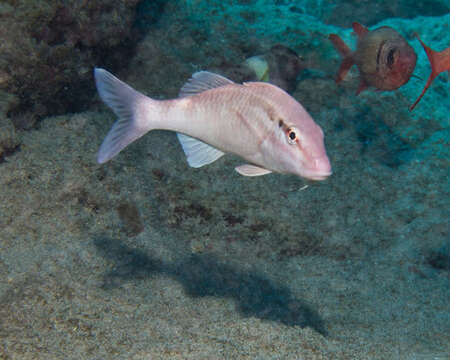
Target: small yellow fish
x=279, y=66
x=213, y=115
x=260, y=66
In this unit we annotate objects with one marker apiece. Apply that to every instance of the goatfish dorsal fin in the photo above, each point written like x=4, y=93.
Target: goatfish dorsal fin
x=202, y=81
x=251, y=170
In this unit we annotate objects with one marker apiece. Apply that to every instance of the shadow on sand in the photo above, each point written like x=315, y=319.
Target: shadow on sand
x=204, y=275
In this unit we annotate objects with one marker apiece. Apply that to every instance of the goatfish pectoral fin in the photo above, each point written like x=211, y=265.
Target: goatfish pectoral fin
x=251, y=170
x=197, y=152
x=124, y=101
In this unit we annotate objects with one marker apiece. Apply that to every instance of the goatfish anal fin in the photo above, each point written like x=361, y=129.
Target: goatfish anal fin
x=197, y=152
x=251, y=170
x=439, y=61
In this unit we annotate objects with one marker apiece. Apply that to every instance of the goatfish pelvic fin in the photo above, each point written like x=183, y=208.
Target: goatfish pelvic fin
x=251, y=170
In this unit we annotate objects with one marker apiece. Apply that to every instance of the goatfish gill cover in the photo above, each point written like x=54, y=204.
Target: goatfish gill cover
x=257, y=121
x=383, y=57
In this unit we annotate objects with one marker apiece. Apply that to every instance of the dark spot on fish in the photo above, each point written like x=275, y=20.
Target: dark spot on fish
x=131, y=220
x=280, y=123
x=390, y=58
x=271, y=113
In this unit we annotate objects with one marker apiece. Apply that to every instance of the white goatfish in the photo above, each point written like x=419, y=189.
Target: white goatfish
x=213, y=116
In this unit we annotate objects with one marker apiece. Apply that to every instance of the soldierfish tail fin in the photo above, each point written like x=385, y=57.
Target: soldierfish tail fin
x=439, y=61
x=133, y=109
x=347, y=56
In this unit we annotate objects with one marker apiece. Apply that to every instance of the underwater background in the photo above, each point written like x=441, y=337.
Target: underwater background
x=145, y=257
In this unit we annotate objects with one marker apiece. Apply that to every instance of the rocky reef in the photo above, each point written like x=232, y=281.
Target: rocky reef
x=48, y=49
x=144, y=257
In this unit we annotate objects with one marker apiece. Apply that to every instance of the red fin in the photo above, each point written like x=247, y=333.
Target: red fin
x=362, y=86
x=346, y=53
x=359, y=29
x=439, y=61
x=340, y=45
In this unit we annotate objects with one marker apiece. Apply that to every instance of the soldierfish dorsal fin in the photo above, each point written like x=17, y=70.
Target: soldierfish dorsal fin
x=439, y=61
x=359, y=29
x=202, y=81
x=347, y=56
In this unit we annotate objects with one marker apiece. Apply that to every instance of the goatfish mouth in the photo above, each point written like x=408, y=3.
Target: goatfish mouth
x=318, y=176
x=320, y=169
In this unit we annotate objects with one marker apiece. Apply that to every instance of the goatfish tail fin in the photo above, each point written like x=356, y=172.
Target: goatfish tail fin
x=347, y=56
x=137, y=113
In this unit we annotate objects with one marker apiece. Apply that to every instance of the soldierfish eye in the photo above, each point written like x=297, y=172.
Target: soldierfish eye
x=390, y=57
x=292, y=135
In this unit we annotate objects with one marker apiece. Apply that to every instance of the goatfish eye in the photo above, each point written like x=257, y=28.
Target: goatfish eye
x=292, y=135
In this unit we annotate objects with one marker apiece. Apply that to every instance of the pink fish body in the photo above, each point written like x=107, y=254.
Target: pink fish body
x=257, y=121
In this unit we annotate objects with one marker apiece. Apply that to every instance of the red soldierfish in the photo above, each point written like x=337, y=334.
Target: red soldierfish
x=213, y=116
x=439, y=60
x=384, y=59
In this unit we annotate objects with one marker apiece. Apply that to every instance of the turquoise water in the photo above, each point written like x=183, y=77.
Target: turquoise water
x=144, y=257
